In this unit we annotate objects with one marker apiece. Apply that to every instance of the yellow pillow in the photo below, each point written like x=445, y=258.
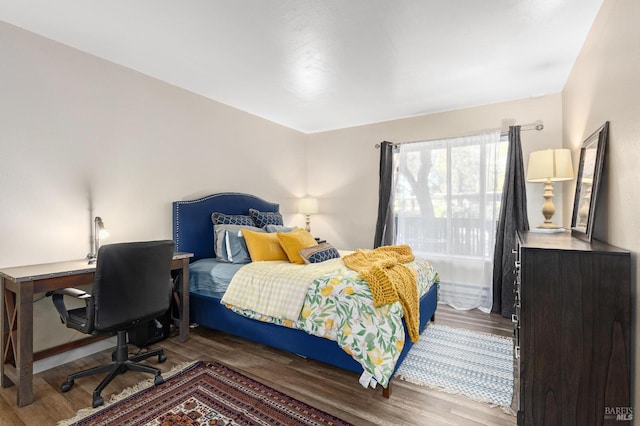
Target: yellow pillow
x=263, y=246
x=294, y=241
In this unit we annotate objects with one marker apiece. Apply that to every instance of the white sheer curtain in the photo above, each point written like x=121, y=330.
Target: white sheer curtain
x=447, y=201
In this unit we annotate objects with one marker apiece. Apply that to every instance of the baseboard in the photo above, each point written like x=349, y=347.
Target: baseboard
x=68, y=356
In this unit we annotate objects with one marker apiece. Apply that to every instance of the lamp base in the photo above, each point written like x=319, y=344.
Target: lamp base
x=308, y=223
x=548, y=209
x=548, y=226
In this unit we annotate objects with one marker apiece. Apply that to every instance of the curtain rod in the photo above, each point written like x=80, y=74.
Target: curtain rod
x=538, y=125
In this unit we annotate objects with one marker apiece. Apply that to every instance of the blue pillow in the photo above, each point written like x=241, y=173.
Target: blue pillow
x=277, y=228
x=262, y=219
x=231, y=219
x=319, y=253
x=230, y=246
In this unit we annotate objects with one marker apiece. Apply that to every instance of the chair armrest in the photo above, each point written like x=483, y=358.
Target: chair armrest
x=84, y=325
x=69, y=291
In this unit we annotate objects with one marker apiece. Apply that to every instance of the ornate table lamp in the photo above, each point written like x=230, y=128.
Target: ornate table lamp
x=308, y=206
x=548, y=166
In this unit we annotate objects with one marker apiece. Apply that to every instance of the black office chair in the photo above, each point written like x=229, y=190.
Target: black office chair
x=131, y=285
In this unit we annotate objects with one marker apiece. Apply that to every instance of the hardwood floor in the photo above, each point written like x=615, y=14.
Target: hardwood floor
x=327, y=388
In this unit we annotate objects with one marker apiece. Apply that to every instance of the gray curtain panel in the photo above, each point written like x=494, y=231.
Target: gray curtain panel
x=513, y=216
x=385, y=223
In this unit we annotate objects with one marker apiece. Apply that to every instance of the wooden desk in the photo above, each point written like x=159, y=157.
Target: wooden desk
x=18, y=285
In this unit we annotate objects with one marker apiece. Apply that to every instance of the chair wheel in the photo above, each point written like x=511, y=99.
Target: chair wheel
x=66, y=386
x=97, y=401
x=158, y=380
x=162, y=358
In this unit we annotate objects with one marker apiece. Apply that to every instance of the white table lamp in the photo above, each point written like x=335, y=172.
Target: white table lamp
x=548, y=166
x=308, y=206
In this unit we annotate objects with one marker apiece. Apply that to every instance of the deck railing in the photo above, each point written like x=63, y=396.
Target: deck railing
x=464, y=237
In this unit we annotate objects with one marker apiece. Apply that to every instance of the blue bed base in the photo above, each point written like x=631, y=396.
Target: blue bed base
x=208, y=311
x=193, y=232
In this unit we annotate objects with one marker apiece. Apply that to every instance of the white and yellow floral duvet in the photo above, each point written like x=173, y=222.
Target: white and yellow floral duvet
x=338, y=305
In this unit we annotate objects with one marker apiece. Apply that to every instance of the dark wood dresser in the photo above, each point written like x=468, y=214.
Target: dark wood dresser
x=572, y=330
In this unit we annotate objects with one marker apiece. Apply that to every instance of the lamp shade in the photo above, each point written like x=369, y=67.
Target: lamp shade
x=550, y=164
x=308, y=205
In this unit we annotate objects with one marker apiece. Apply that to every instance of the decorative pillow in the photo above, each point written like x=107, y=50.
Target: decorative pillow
x=231, y=219
x=294, y=241
x=319, y=253
x=230, y=246
x=262, y=219
x=263, y=246
x=278, y=228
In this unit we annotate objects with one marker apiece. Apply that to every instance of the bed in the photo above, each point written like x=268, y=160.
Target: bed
x=193, y=232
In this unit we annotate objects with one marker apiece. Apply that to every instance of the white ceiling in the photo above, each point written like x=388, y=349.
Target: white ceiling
x=317, y=65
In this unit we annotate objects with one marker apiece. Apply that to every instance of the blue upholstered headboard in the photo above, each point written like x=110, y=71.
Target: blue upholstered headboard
x=192, y=226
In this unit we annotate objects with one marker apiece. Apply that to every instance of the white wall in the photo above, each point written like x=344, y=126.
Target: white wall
x=343, y=164
x=604, y=85
x=80, y=136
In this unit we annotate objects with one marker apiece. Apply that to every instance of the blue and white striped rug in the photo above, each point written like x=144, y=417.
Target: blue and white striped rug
x=459, y=361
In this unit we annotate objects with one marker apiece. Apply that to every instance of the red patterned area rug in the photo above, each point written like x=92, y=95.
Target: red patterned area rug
x=205, y=393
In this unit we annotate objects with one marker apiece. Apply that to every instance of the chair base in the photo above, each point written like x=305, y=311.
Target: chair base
x=120, y=364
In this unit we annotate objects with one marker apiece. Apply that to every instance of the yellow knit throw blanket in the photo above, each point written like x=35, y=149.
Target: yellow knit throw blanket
x=390, y=280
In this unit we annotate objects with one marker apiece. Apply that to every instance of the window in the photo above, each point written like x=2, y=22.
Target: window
x=447, y=202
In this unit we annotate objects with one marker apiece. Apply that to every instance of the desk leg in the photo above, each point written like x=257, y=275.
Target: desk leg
x=184, y=301
x=4, y=329
x=17, y=339
x=24, y=361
